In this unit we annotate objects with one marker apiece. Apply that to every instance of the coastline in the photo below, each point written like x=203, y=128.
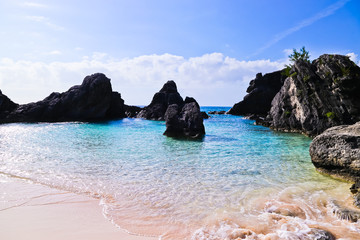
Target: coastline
x=34, y=211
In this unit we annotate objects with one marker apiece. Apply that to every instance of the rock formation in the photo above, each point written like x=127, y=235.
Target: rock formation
x=317, y=96
x=261, y=92
x=90, y=101
x=337, y=151
x=184, y=121
x=183, y=118
x=165, y=97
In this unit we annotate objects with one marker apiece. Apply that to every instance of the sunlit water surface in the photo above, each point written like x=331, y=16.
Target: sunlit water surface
x=241, y=181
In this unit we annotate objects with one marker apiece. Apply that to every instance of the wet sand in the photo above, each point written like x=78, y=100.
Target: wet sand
x=32, y=211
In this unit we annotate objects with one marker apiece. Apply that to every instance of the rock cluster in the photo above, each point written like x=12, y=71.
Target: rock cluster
x=314, y=96
x=182, y=118
x=92, y=100
x=317, y=96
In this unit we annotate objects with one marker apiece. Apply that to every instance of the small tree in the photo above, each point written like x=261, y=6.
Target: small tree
x=302, y=54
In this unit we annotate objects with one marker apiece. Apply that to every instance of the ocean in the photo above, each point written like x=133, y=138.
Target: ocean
x=242, y=181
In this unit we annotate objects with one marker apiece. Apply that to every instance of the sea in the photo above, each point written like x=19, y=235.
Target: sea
x=241, y=181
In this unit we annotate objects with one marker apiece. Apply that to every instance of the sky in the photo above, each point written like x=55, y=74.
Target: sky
x=210, y=48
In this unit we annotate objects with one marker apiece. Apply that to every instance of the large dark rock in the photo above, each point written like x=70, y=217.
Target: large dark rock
x=317, y=96
x=261, y=92
x=90, y=101
x=185, y=121
x=6, y=106
x=165, y=97
x=337, y=151
x=183, y=118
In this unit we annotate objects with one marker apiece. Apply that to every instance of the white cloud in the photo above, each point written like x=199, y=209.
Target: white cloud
x=55, y=52
x=44, y=20
x=353, y=57
x=306, y=22
x=33, y=5
x=213, y=79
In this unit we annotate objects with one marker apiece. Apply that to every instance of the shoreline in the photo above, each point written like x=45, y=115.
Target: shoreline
x=33, y=211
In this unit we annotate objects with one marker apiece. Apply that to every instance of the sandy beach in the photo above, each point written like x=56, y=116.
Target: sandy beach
x=32, y=211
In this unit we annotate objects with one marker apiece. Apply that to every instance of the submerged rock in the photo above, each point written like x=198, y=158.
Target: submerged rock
x=261, y=92
x=337, y=151
x=344, y=213
x=319, y=234
x=317, y=96
x=90, y=101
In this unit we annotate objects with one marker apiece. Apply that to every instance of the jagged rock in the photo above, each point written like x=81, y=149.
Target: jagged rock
x=261, y=92
x=186, y=121
x=317, y=96
x=165, y=97
x=92, y=100
x=337, y=151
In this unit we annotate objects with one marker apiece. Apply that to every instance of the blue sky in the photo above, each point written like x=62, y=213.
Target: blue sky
x=210, y=48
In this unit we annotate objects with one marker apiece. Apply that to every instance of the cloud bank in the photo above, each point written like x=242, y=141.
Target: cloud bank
x=213, y=79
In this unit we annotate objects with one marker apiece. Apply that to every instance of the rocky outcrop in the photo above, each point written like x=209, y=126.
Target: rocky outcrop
x=317, y=96
x=92, y=100
x=261, y=92
x=337, y=151
x=167, y=96
x=184, y=121
x=182, y=118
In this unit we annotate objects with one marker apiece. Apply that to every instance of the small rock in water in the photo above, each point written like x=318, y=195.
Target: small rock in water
x=217, y=112
x=345, y=213
x=320, y=234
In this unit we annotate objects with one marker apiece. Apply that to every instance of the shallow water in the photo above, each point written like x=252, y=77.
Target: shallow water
x=241, y=181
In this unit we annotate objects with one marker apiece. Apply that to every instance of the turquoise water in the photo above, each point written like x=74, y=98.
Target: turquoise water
x=239, y=178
